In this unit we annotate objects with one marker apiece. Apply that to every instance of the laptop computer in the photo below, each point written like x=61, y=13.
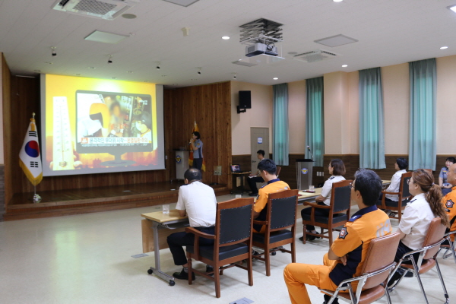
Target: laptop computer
x=235, y=168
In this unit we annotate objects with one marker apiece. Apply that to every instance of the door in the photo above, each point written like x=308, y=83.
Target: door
x=259, y=140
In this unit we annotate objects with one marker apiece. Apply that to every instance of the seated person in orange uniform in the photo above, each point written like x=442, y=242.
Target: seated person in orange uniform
x=346, y=257
x=268, y=170
x=449, y=200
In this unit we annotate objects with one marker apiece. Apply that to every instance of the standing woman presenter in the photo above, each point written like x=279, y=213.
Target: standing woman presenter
x=197, y=148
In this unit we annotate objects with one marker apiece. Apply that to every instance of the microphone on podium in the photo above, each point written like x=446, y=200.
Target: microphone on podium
x=310, y=152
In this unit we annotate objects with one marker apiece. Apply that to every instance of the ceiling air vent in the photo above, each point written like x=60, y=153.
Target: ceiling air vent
x=244, y=63
x=315, y=56
x=104, y=9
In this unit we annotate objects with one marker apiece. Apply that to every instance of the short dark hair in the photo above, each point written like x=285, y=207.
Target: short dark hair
x=197, y=134
x=267, y=165
x=451, y=159
x=146, y=119
x=338, y=166
x=260, y=152
x=369, y=185
x=402, y=163
x=193, y=174
x=114, y=104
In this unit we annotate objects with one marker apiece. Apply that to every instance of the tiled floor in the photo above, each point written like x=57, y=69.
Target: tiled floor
x=87, y=259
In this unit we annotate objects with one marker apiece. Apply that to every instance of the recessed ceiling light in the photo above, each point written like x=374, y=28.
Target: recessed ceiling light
x=226, y=37
x=129, y=16
x=105, y=37
x=443, y=47
x=344, y=65
x=275, y=78
x=338, y=0
x=452, y=8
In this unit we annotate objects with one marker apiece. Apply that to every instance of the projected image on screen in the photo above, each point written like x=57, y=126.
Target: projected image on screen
x=96, y=126
x=113, y=123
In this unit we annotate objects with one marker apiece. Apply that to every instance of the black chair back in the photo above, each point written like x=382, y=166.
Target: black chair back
x=283, y=212
x=405, y=187
x=342, y=198
x=235, y=224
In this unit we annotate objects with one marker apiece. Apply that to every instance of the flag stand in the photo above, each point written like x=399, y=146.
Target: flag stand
x=36, y=197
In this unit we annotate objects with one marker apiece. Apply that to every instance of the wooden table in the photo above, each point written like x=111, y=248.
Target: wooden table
x=386, y=182
x=307, y=196
x=242, y=175
x=155, y=228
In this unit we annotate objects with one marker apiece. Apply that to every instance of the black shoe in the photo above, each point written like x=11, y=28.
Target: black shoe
x=301, y=239
x=409, y=274
x=397, y=275
x=183, y=275
x=327, y=298
x=209, y=270
x=312, y=237
x=253, y=194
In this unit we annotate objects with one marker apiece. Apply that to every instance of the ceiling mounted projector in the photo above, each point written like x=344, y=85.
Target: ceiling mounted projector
x=259, y=49
x=260, y=36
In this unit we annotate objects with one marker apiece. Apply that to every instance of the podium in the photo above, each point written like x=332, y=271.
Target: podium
x=304, y=168
x=181, y=159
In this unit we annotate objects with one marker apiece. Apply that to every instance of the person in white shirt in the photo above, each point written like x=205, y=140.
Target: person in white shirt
x=198, y=202
x=390, y=199
x=418, y=214
x=336, y=168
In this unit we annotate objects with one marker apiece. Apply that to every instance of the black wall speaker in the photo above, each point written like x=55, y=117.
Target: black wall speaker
x=245, y=99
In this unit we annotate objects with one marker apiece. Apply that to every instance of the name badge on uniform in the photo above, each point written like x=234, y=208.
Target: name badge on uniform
x=343, y=233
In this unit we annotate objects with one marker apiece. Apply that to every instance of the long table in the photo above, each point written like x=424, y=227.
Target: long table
x=155, y=228
x=307, y=196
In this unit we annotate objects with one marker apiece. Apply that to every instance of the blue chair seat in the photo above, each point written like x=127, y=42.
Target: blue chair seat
x=225, y=252
x=338, y=217
x=276, y=236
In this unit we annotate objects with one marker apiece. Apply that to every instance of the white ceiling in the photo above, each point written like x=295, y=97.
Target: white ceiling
x=389, y=32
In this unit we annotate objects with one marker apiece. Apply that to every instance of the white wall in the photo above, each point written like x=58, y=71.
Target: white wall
x=260, y=115
x=396, y=107
x=446, y=105
x=297, y=116
x=341, y=108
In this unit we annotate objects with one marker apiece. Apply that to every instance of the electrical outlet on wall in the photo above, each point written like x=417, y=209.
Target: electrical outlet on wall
x=218, y=170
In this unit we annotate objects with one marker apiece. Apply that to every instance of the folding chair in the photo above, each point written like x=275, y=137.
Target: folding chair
x=427, y=258
x=450, y=246
x=371, y=284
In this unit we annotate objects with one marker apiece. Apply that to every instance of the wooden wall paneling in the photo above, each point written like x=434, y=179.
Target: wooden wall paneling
x=210, y=107
x=7, y=130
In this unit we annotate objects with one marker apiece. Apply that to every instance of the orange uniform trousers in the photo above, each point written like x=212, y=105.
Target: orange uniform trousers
x=298, y=275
